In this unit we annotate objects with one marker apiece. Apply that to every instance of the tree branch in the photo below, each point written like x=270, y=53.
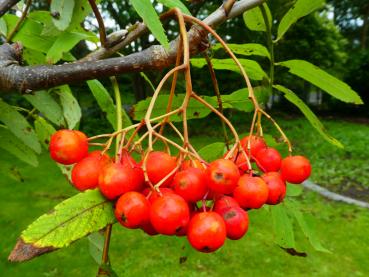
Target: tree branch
x=14, y=77
x=5, y=5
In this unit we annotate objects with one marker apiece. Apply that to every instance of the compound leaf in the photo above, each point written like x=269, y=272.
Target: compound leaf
x=19, y=126
x=149, y=16
x=63, y=12
x=47, y=105
x=14, y=146
x=323, y=80
x=300, y=9
x=310, y=116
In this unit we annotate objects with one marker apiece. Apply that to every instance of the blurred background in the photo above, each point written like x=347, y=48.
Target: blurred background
x=335, y=38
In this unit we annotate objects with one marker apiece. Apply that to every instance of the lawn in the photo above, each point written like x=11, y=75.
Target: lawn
x=28, y=192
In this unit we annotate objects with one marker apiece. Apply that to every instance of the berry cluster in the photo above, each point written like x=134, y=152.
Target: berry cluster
x=163, y=194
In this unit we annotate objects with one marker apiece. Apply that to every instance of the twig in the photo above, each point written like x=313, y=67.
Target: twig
x=20, y=21
x=217, y=93
x=100, y=21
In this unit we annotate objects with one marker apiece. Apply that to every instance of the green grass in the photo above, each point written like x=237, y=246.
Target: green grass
x=342, y=170
x=341, y=228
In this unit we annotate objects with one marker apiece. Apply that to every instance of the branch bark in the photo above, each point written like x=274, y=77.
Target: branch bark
x=5, y=5
x=14, y=77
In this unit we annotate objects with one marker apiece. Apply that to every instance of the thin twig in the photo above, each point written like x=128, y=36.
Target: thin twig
x=217, y=93
x=100, y=21
x=20, y=21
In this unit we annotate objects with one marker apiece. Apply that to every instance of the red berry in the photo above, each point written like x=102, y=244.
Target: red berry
x=268, y=159
x=236, y=221
x=68, y=146
x=149, y=229
x=190, y=184
x=240, y=160
x=225, y=202
x=295, y=169
x=222, y=176
x=159, y=165
x=85, y=173
x=126, y=159
x=132, y=210
x=251, y=192
x=116, y=179
x=98, y=154
x=211, y=195
x=256, y=144
x=153, y=195
x=192, y=163
x=169, y=214
x=206, y=231
x=276, y=187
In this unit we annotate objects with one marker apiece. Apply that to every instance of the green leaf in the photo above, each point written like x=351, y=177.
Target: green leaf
x=81, y=9
x=300, y=9
x=283, y=229
x=14, y=146
x=64, y=11
x=44, y=130
x=104, y=100
x=306, y=226
x=212, y=151
x=45, y=18
x=96, y=246
x=30, y=34
x=238, y=100
x=323, y=80
x=254, y=19
x=175, y=4
x=63, y=44
x=47, y=105
x=310, y=116
x=149, y=16
x=3, y=27
x=69, y=221
x=247, y=49
x=252, y=68
x=294, y=190
x=33, y=57
x=19, y=126
x=68, y=57
x=195, y=108
x=71, y=109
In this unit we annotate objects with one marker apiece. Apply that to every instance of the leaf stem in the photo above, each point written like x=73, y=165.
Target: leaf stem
x=105, y=255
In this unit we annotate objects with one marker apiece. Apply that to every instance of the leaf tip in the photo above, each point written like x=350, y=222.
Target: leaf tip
x=23, y=251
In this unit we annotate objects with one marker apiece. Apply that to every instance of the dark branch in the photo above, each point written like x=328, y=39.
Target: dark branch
x=5, y=5
x=14, y=77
